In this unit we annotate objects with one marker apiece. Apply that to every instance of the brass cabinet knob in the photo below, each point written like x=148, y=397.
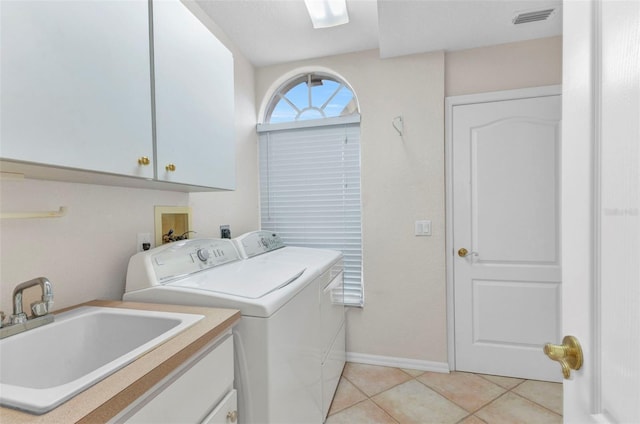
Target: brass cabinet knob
x=568, y=354
x=143, y=160
x=170, y=168
x=232, y=416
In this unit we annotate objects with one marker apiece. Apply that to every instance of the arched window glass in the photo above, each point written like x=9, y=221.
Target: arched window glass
x=309, y=162
x=311, y=96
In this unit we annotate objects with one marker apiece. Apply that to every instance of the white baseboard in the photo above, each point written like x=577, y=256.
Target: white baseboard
x=406, y=363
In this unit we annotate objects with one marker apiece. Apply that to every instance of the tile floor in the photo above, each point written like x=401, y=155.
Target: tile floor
x=373, y=394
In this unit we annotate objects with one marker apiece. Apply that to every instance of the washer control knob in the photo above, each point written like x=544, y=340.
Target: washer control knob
x=203, y=254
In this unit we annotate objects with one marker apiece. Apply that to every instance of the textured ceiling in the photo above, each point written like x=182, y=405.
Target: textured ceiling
x=276, y=31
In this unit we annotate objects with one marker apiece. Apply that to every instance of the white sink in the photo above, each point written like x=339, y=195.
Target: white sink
x=43, y=367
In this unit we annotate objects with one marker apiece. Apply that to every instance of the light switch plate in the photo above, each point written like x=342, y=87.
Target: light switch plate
x=423, y=228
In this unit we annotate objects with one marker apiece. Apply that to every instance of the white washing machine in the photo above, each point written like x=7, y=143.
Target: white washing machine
x=278, y=367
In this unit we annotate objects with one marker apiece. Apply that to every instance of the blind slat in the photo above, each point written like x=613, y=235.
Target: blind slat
x=310, y=193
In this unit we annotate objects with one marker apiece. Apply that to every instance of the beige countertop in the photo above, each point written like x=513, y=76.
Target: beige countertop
x=104, y=400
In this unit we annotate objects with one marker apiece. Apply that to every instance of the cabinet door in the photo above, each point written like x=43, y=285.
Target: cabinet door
x=194, y=100
x=75, y=84
x=188, y=397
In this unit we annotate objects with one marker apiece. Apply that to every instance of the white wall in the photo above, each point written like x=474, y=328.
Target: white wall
x=402, y=181
x=85, y=253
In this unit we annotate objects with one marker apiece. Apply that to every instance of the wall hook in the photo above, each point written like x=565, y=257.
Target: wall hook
x=398, y=125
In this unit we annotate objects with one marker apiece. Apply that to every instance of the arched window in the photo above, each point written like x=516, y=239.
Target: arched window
x=309, y=157
x=311, y=96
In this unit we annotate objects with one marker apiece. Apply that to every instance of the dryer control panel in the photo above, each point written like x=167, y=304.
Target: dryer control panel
x=258, y=242
x=181, y=259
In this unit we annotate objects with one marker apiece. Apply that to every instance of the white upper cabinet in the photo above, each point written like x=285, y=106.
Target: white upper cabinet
x=79, y=82
x=194, y=100
x=75, y=82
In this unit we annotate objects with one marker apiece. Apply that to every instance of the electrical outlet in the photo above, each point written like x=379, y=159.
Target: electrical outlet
x=225, y=231
x=144, y=242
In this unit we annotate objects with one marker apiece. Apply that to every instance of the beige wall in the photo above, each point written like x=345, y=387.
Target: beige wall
x=524, y=64
x=402, y=181
x=85, y=253
x=238, y=208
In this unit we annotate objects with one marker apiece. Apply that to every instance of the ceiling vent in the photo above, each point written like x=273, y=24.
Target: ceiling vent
x=535, y=16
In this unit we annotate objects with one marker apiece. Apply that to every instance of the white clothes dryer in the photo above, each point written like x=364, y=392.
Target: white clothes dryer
x=277, y=366
x=325, y=266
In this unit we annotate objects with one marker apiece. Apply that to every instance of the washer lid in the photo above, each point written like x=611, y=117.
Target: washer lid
x=244, y=279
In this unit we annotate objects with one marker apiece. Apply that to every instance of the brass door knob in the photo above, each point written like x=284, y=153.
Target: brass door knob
x=569, y=354
x=143, y=160
x=170, y=168
x=463, y=253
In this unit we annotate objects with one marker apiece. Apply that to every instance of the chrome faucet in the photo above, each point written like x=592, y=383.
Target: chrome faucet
x=38, y=308
x=19, y=322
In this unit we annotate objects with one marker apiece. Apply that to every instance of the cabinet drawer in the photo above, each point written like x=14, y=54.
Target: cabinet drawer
x=191, y=393
x=226, y=412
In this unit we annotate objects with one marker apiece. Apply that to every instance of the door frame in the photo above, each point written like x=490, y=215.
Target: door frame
x=450, y=102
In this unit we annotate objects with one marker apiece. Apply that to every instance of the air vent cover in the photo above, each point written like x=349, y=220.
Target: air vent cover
x=538, y=15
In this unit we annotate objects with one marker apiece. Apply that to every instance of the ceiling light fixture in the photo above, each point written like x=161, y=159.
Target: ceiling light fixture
x=327, y=13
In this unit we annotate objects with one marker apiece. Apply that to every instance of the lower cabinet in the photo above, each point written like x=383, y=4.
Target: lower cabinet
x=201, y=391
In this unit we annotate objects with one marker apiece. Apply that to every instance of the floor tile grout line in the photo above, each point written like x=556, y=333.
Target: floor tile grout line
x=450, y=400
x=469, y=416
x=484, y=376
x=388, y=388
x=536, y=403
x=346, y=407
x=396, y=385
x=426, y=386
x=463, y=407
x=469, y=413
x=374, y=402
x=518, y=394
x=385, y=411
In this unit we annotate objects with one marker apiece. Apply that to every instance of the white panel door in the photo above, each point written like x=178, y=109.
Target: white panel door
x=75, y=84
x=506, y=215
x=601, y=208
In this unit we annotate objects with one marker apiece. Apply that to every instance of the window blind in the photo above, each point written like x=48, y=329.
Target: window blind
x=310, y=193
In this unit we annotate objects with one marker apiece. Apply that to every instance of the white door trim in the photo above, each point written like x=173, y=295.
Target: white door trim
x=450, y=102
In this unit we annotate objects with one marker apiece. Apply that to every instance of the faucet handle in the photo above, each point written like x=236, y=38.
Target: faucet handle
x=40, y=308
x=18, y=318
